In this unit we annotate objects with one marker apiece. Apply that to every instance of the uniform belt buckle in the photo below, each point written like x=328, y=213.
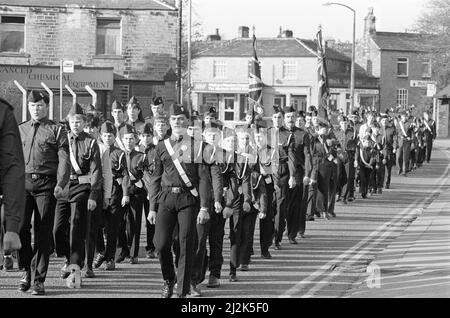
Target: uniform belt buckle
x=176, y=190
x=34, y=176
x=73, y=177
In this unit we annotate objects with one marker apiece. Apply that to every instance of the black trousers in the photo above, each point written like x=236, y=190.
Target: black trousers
x=150, y=228
x=364, y=177
x=248, y=221
x=403, y=156
x=40, y=201
x=294, y=208
x=134, y=219
x=215, y=237
x=174, y=209
x=390, y=162
x=324, y=185
x=236, y=233
x=281, y=197
x=348, y=189
x=94, y=220
x=304, y=209
x=377, y=178
x=312, y=200
x=334, y=182
x=429, y=148
x=200, y=255
x=61, y=229
x=78, y=222
x=111, y=222
x=266, y=225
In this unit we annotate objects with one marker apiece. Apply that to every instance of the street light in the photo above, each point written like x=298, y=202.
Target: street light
x=352, y=74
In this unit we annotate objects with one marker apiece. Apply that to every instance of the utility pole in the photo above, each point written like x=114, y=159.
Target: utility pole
x=180, y=41
x=189, y=57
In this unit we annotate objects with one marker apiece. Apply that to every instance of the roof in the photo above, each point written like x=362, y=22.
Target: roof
x=395, y=41
x=444, y=94
x=99, y=4
x=266, y=47
x=330, y=53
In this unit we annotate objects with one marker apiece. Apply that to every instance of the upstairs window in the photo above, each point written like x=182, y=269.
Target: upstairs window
x=12, y=34
x=426, y=68
x=402, y=97
x=290, y=70
x=402, y=67
x=108, y=37
x=220, y=69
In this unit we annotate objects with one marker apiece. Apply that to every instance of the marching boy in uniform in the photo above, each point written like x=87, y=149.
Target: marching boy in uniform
x=119, y=198
x=365, y=162
x=84, y=185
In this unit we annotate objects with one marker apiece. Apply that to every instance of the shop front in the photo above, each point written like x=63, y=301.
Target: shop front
x=100, y=80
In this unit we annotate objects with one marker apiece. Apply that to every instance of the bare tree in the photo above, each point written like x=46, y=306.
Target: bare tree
x=435, y=20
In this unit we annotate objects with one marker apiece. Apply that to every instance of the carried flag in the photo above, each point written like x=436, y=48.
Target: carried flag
x=255, y=82
x=324, y=91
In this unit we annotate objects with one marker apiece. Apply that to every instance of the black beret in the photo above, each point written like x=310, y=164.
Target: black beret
x=38, y=95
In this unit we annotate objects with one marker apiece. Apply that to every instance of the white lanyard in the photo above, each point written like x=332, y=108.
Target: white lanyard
x=403, y=129
x=362, y=157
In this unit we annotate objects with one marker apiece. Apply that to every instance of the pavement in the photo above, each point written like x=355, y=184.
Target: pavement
x=402, y=234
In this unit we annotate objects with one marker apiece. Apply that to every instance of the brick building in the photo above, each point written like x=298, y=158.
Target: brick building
x=220, y=75
x=400, y=60
x=119, y=47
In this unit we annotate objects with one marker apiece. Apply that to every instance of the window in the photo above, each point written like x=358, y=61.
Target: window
x=124, y=91
x=402, y=67
x=229, y=107
x=220, y=69
x=289, y=69
x=211, y=100
x=426, y=68
x=333, y=103
x=12, y=34
x=280, y=100
x=243, y=106
x=108, y=37
x=299, y=102
x=402, y=97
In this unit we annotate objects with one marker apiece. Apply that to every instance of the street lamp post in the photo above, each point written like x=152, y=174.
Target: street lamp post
x=352, y=73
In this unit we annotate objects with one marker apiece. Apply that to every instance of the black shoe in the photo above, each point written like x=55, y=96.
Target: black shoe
x=326, y=216
x=8, y=262
x=99, y=260
x=388, y=186
x=302, y=235
x=25, y=282
x=310, y=218
x=277, y=247
x=233, y=278
x=380, y=191
x=121, y=258
x=351, y=199
x=134, y=260
x=89, y=273
x=404, y=174
x=344, y=201
x=293, y=241
x=213, y=282
x=167, y=290
x=38, y=289
x=333, y=214
x=64, y=273
x=266, y=255
x=244, y=268
x=318, y=215
x=364, y=196
x=338, y=199
x=195, y=291
x=151, y=254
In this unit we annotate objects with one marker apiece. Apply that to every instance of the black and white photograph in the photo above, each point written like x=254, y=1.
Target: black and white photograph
x=233, y=152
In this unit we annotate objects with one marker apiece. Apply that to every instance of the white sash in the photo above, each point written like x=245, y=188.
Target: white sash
x=180, y=169
x=228, y=163
x=73, y=160
x=119, y=142
x=133, y=178
x=403, y=129
x=362, y=157
x=428, y=127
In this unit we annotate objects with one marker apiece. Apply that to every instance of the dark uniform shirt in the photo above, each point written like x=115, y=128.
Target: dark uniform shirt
x=12, y=167
x=427, y=133
x=286, y=151
x=45, y=149
x=302, y=152
x=166, y=175
x=119, y=169
x=87, y=154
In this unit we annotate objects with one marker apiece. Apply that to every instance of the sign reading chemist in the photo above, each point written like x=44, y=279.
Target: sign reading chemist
x=32, y=76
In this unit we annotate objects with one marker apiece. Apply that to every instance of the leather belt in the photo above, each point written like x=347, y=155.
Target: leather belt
x=37, y=176
x=176, y=190
x=73, y=177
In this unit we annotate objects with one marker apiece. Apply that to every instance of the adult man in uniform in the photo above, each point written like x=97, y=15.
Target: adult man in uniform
x=284, y=173
x=12, y=178
x=389, y=134
x=179, y=187
x=405, y=135
x=430, y=134
x=45, y=150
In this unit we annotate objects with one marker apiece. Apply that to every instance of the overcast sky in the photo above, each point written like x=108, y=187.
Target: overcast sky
x=303, y=16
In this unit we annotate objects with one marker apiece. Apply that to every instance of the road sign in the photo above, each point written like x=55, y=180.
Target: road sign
x=68, y=66
x=431, y=90
x=423, y=84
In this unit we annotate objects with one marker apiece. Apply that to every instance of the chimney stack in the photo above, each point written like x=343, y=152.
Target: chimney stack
x=214, y=37
x=244, y=32
x=287, y=34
